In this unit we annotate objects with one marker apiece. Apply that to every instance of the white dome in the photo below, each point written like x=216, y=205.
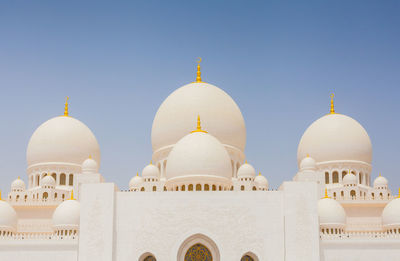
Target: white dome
x=8, y=217
x=66, y=215
x=335, y=137
x=246, y=171
x=308, y=163
x=199, y=156
x=176, y=116
x=391, y=214
x=380, y=182
x=90, y=166
x=331, y=213
x=48, y=182
x=349, y=179
x=150, y=171
x=18, y=185
x=62, y=140
x=262, y=182
x=135, y=182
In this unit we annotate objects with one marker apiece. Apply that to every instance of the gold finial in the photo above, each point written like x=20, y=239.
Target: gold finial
x=259, y=173
x=137, y=174
x=151, y=162
x=0, y=195
x=19, y=177
x=198, y=129
x=90, y=156
x=379, y=174
x=398, y=196
x=326, y=193
x=198, y=78
x=308, y=155
x=72, y=195
x=245, y=161
x=66, y=107
x=332, y=105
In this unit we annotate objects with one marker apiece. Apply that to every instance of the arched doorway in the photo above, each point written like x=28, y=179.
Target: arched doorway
x=198, y=252
x=198, y=247
x=247, y=258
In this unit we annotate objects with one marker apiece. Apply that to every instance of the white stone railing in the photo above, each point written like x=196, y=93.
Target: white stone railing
x=359, y=235
x=38, y=236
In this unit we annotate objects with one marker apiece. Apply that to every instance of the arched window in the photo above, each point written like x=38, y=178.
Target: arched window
x=249, y=257
x=353, y=193
x=206, y=187
x=62, y=179
x=360, y=178
x=147, y=257
x=17, y=198
x=37, y=180
x=254, y=188
x=142, y=189
x=190, y=187
x=373, y=195
x=344, y=174
x=26, y=197
x=71, y=180
x=198, y=187
x=45, y=195
x=55, y=195
x=342, y=193
x=242, y=187
x=183, y=188
x=326, y=177
x=334, y=195
x=220, y=188
x=154, y=188
x=233, y=168
x=198, y=252
x=54, y=175
x=165, y=188
x=214, y=188
x=335, y=177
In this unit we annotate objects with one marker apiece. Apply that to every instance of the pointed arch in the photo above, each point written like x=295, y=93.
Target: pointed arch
x=249, y=256
x=200, y=243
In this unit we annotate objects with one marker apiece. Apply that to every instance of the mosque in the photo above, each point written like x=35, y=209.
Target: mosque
x=200, y=199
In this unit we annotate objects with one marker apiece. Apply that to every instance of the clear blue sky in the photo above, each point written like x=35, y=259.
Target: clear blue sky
x=279, y=60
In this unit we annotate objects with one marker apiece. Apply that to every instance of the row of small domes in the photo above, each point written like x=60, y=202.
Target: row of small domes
x=65, y=216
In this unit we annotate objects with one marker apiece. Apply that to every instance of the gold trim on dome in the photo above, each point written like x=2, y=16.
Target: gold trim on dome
x=198, y=77
x=326, y=193
x=198, y=129
x=66, y=107
x=332, y=105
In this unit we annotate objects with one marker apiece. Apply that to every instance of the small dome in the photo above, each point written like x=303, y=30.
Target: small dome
x=335, y=137
x=199, y=156
x=18, y=185
x=331, y=213
x=262, y=182
x=380, y=182
x=246, y=171
x=391, y=214
x=66, y=215
x=62, y=140
x=90, y=166
x=308, y=163
x=48, y=182
x=136, y=182
x=150, y=171
x=350, y=179
x=8, y=217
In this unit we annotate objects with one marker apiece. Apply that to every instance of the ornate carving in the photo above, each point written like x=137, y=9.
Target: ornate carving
x=198, y=252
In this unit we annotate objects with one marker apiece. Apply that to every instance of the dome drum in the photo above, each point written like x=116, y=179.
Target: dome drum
x=198, y=183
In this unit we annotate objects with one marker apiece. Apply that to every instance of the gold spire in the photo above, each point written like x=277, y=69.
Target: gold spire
x=308, y=155
x=66, y=107
x=72, y=195
x=151, y=162
x=198, y=129
x=398, y=196
x=0, y=195
x=379, y=174
x=259, y=173
x=198, y=78
x=137, y=174
x=90, y=156
x=326, y=193
x=332, y=105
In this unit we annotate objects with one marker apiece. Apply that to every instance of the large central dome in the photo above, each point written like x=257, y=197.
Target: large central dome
x=221, y=116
